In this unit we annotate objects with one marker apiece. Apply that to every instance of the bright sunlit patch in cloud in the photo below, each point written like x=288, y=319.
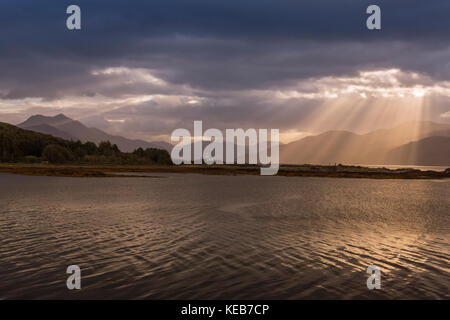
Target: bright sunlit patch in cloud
x=418, y=92
x=115, y=120
x=376, y=84
x=130, y=75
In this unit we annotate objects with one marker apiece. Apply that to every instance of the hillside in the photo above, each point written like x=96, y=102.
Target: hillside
x=47, y=129
x=370, y=148
x=66, y=128
x=428, y=151
x=19, y=145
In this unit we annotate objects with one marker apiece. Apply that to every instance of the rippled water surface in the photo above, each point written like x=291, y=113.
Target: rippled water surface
x=230, y=237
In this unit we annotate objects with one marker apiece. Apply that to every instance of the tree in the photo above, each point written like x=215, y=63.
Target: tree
x=90, y=148
x=56, y=154
x=105, y=148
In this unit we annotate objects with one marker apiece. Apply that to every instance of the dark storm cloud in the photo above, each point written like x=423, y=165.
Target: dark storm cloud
x=214, y=49
x=212, y=44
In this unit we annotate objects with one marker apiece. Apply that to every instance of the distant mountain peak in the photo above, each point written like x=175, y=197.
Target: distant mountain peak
x=62, y=117
x=36, y=116
x=38, y=120
x=64, y=127
x=40, y=116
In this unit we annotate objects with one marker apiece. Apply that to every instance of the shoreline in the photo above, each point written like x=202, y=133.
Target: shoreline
x=339, y=171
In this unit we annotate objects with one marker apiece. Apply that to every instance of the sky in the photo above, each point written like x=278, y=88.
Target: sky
x=144, y=68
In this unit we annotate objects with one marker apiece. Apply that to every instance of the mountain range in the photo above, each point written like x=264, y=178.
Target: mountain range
x=66, y=128
x=412, y=143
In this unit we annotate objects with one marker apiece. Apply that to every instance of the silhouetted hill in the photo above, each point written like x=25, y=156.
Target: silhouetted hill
x=20, y=145
x=64, y=127
x=350, y=148
x=427, y=152
x=333, y=147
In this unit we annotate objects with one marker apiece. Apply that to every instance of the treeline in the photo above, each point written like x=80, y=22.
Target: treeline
x=18, y=145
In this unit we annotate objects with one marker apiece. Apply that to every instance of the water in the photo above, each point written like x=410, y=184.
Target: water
x=223, y=237
x=394, y=167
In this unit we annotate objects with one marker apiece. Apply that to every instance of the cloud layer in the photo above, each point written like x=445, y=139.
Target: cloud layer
x=144, y=69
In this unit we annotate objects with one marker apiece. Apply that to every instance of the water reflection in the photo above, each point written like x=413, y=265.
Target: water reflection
x=204, y=237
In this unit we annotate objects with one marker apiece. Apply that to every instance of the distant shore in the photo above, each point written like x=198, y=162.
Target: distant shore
x=338, y=171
